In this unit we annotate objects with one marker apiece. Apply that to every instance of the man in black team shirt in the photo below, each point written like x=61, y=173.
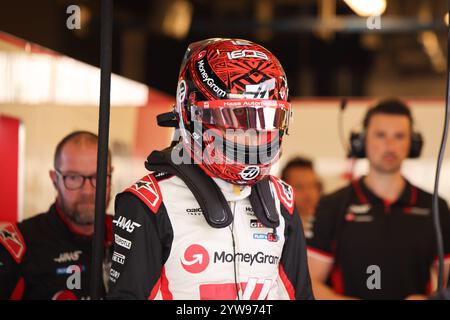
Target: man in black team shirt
x=49, y=255
x=374, y=239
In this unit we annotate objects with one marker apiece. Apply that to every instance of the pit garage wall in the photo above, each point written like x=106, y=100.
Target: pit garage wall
x=11, y=157
x=46, y=125
x=133, y=134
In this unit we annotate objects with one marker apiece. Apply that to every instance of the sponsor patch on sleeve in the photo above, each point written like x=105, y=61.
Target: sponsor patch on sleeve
x=285, y=193
x=148, y=191
x=12, y=240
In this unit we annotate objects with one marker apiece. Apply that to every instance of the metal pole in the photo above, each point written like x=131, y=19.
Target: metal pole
x=435, y=201
x=102, y=155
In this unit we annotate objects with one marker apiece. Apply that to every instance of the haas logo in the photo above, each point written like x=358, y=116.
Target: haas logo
x=253, y=289
x=249, y=173
x=126, y=224
x=195, y=259
x=261, y=90
x=68, y=256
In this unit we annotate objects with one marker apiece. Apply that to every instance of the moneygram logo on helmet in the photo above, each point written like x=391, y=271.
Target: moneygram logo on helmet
x=232, y=108
x=196, y=258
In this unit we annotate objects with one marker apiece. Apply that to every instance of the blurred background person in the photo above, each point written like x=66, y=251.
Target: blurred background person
x=48, y=256
x=300, y=174
x=374, y=239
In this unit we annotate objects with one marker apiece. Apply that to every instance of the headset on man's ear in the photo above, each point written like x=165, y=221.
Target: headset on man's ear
x=358, y=145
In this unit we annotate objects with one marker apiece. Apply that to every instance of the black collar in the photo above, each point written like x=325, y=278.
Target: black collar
x=408, y=197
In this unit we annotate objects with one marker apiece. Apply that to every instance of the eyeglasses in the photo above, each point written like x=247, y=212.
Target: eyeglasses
x=76, y=181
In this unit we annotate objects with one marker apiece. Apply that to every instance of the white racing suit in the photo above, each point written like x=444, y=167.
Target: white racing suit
x=165, y=249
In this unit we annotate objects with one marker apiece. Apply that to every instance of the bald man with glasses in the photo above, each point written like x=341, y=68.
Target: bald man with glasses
x=48, y=256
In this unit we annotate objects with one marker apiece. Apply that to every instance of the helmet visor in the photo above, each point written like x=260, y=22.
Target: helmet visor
x=255, y=114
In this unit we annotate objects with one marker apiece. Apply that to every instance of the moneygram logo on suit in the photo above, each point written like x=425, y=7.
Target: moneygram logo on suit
x=196, y=258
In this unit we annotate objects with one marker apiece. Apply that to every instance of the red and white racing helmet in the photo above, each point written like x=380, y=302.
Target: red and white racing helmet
x=232, y=108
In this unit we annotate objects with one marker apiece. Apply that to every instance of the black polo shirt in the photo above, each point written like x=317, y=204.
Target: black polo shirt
x=358, y=232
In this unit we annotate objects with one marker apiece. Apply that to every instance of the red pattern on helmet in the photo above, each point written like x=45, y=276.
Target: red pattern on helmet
x=236, y=73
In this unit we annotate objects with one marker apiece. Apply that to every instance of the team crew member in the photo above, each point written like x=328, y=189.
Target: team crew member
x=300, y=174
x=374, y=239
x=215, y=225
x=48, y=256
